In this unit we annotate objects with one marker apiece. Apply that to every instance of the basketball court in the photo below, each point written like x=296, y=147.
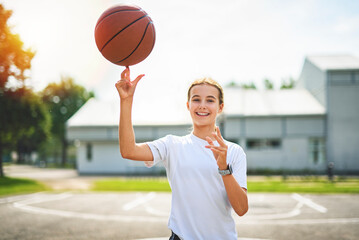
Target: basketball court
x=74, y=215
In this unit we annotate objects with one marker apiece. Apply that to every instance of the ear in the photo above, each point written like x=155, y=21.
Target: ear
x=221, y=106
x=187, y=106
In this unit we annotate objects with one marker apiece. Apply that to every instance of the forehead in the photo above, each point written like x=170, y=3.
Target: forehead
x=204, y=90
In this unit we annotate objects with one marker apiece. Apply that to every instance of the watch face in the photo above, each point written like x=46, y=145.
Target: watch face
x=225, y=172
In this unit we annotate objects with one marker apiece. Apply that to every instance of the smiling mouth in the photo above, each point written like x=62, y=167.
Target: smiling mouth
x=202, y=114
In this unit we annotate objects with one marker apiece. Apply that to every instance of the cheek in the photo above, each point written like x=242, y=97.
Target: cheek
x=192, y=105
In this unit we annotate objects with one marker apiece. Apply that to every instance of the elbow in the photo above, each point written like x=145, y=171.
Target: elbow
x=125, y=154
x=241, y=211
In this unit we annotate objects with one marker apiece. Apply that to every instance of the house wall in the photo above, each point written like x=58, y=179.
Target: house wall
x=313, y=79
x=343, y=120
x=282, y=143
x=104, y=157
x=98, y=149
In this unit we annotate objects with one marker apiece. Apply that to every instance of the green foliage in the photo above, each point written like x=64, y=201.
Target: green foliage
x=20, y=110
x=268, y=84
x=250, y=85
x=14, y=59
x=10, y=186
x=24, y=122
x=288, y=83
x=63, y=99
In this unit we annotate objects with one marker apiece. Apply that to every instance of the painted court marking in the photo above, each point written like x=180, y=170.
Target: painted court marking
x=139, y=201
x=162, y=216
x=309, y=203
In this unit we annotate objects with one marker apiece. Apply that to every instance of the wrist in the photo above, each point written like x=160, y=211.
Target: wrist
x=223, y=166
x=225, y=172
x=127, y=100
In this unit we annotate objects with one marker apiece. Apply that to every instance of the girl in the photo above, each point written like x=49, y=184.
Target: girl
x=207, y=174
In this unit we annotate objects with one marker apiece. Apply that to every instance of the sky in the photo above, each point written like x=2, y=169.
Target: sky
x=230, y=40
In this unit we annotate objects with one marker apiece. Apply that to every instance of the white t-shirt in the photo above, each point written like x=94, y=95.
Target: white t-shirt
x=200, y=206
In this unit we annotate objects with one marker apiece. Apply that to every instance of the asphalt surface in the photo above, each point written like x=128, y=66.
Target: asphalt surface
x=89, y=215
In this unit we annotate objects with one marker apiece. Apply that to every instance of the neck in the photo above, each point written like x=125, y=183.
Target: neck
x=204, y=131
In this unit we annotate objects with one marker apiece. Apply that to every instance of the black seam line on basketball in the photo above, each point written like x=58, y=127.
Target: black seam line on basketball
x=124, y=10
x=143, y=36
x=120, y=32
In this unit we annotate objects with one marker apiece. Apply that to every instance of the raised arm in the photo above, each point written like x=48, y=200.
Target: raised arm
x=128, y=147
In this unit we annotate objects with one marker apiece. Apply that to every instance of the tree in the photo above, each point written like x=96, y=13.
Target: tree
x=14, y=61
x=268, y=84
x=250, y=85
x=288, y=83
x=36, y=121
x=63, y=100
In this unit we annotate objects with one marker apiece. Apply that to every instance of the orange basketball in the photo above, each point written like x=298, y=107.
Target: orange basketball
x=125, y=35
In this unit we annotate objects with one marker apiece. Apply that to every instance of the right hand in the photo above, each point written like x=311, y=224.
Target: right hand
x=125, y=87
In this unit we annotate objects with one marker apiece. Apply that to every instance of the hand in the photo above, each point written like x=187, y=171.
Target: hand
x=219, y=152
x=125, y=87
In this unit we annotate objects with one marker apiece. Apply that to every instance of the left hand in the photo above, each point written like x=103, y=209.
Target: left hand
x=219, y=152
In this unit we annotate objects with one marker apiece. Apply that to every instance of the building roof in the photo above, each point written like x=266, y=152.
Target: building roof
x=271, y=103
x=106, y=113
x=335, y=62
x=238, y=102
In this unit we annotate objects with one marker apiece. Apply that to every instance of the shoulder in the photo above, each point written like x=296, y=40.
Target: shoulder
x=234, y=148
x=173, y=139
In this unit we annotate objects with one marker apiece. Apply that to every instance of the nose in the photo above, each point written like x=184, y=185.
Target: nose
x=202, y=105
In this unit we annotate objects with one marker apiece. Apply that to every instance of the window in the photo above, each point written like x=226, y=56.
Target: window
x=316, y=150
x=260, y=144
x=89, y=152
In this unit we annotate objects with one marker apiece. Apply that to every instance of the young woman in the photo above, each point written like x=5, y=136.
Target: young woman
x=207, y=174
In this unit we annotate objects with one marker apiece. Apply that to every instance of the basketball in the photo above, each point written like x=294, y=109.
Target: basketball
x=125, y=35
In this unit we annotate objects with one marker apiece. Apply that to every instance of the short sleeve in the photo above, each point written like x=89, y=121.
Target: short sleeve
x=239, y=166
x=159, y=149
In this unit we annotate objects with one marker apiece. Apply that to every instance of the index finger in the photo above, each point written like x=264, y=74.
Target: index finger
x=219, y=139
x=126, y=73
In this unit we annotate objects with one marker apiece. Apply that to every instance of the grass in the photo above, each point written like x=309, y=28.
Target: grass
x=133, y=184
x=305, y=185
x=11, y=186
x=270, y=185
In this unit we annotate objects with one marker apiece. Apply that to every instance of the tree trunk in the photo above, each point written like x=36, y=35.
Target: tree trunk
x=1, y=168
x=64, y=152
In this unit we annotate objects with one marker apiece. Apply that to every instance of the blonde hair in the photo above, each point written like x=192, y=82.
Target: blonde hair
x=208, y=81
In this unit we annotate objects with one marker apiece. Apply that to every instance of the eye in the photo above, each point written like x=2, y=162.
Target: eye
x=195, y=100
x=210, y=100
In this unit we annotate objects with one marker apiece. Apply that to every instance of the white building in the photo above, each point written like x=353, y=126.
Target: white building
x=296, y=130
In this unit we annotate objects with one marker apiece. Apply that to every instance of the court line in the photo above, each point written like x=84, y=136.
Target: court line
x=18, y=198
x=295, y=212
x=309, y=203
x=156, y=212
x=24, y=205
x=139, y=201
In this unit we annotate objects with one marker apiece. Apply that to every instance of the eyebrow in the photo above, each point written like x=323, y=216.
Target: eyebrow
x=210, y=96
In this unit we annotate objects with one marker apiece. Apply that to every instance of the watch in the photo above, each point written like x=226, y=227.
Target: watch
x=228, y=171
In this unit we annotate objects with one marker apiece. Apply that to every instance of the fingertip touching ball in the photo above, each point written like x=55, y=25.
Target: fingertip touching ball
x=125, y=35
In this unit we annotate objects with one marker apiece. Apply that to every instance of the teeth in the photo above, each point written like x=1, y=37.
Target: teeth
x=203, y=114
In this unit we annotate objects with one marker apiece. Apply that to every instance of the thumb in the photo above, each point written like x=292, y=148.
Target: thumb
x=138, y=78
